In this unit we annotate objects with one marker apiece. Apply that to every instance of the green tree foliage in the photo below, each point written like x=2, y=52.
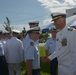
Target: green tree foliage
x=7, y=26
x=45, y=36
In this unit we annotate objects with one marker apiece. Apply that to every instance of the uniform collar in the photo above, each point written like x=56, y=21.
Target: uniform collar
x=13, y=38
x=65, y=28
x=33, y=41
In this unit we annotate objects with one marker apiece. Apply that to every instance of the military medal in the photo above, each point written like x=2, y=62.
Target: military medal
x=64, y=42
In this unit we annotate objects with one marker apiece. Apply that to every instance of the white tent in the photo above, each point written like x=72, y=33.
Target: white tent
x=71, y=20
x=71, y=17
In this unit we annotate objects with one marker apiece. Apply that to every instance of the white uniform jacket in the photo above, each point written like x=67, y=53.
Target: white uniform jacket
x=14, y=50
x=65, y=51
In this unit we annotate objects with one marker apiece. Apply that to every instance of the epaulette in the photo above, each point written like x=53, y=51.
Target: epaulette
x=70, y=29
x=31, y=43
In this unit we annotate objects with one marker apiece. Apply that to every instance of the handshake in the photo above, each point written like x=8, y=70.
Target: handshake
x=44, y=59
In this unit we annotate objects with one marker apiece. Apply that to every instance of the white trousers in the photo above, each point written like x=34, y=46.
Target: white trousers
x=14, y=67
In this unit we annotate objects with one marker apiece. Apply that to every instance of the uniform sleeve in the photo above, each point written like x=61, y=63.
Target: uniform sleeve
x=56, y=54
x=21, y=50
x=6, y=51
x=30, y=53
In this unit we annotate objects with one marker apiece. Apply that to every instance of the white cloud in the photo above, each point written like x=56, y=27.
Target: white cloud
x=58, y=4
x=46, y=21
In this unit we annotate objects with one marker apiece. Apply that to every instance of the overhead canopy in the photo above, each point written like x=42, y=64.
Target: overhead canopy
x=70, y=12
x=73, y=25
x=71, y=20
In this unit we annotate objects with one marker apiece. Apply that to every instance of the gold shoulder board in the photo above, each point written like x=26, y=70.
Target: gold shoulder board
x=70, y=29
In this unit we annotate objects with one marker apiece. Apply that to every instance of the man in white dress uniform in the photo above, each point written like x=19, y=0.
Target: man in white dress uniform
x=14, y=54
x=65, y=46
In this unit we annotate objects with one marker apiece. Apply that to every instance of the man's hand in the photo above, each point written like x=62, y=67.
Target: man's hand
x=47, y=60
x=44, y=59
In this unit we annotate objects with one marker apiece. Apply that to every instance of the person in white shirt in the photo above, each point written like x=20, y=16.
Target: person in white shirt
x=3, y=63
x=14, y=54
x=65, y=46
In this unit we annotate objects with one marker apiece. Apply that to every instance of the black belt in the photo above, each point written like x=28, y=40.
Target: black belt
x=36, y=69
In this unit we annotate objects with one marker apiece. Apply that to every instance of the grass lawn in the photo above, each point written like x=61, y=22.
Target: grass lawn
x=45, y=70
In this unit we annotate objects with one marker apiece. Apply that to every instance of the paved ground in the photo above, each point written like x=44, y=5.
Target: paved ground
x=41, y=44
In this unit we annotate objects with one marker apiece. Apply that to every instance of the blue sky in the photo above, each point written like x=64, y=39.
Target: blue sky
x=20, y=12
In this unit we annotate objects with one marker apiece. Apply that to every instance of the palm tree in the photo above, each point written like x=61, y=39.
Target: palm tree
x=7, y=26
